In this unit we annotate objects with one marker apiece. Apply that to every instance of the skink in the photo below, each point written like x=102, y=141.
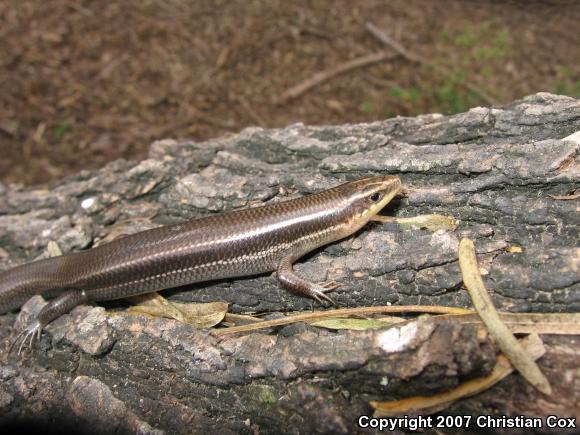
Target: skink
x=239, y=243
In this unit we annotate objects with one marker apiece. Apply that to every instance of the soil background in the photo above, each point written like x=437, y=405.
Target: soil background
x=86, y=82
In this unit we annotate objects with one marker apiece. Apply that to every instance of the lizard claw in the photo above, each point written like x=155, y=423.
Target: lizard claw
x=32, y=331
x=319, y=296
x=329, y=285
x=319, y=291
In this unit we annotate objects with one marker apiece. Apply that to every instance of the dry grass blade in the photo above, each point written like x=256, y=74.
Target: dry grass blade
x=235, y=318
x=483, y=304
x=529, y=323
x=360, y=311
x=428, y=405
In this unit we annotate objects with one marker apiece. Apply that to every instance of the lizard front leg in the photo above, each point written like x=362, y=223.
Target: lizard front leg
x=291, y=281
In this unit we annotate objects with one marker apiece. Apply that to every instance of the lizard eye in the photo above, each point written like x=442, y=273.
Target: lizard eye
x=375, y=197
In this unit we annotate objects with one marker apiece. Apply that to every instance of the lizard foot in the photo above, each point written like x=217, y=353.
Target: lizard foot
x=29, y=333
x=318, y=291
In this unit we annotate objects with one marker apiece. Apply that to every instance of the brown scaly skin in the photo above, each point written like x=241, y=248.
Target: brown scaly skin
x=238, y=243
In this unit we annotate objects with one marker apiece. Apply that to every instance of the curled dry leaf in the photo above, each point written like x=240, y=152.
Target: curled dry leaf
x=198, y=315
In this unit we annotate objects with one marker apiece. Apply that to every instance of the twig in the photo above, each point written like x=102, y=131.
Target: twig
x=316, y=79
x=195, y=114
x=251, y=112
x=436, y=309
x=216, y=122
x=106, y=71
x=414, y=57
x=575, y=195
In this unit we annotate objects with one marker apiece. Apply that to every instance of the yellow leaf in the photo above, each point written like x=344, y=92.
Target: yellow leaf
x=356, y=324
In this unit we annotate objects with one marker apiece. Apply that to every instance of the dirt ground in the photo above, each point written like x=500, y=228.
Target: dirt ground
x=85, y=82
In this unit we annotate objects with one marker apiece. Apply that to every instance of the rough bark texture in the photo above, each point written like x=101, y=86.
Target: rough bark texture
x=501, y=172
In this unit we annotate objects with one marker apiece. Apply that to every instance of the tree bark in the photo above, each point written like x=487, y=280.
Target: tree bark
x=508, y=175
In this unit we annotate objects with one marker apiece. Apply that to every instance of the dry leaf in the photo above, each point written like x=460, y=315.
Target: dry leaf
x=198, y=315
x=356, y=324
x=53, y=249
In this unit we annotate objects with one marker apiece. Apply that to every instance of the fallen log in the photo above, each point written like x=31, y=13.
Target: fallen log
x=507, y=175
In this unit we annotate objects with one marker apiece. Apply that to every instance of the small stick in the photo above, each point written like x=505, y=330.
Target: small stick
x=251, y=112
x=575, y=195
x=414, y=57
x=211, y=120
x=198, y=115
x=322, y=76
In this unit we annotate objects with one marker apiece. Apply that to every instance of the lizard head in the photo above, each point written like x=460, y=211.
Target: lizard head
x=367, y=196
